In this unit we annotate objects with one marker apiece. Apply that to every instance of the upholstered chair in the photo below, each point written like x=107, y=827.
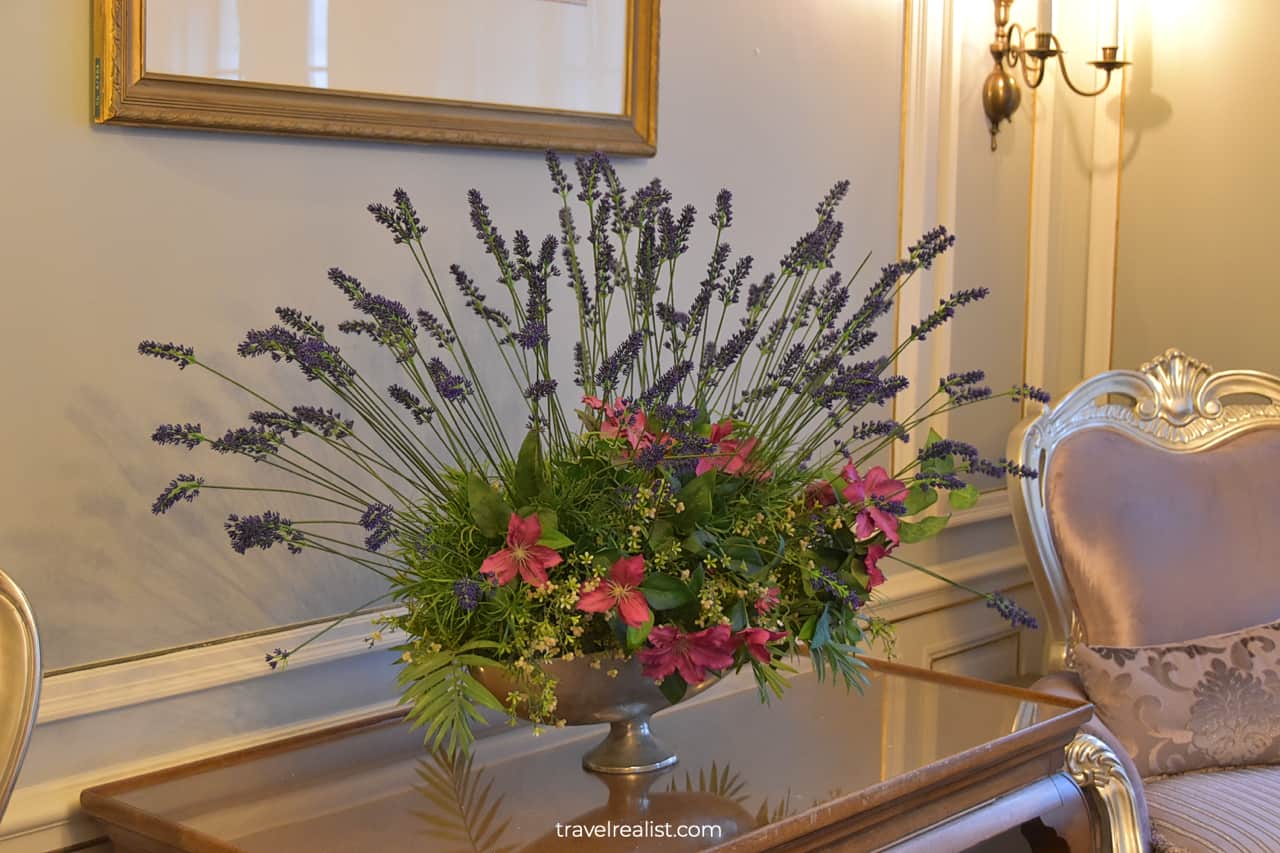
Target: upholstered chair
x=1156, y=520
x=19, y=683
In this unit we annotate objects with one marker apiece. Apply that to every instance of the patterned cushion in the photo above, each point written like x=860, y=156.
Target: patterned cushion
x=1212, y=702
x=1216, y=811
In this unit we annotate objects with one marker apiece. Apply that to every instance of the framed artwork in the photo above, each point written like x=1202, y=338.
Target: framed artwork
x=575, y=75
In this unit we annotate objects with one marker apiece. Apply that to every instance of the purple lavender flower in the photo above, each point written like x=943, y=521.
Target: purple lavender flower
x=617, y=364
x=449, y=385
x=178, y=354
x=390, y=326
x=187, y=435
x=255, y=442
x=826, y=580
x=673, y=234
x=827, y=207
x=402, y=220
x=723, y=215
x=935, y=480
x=262, y=531
x=559, y=180
x=946, y=310
x=299, y=322
x=421, y=414
x=467, y=592
x=277, y=657
x=436, y=330
x=1017, y=616
x=758, y=294
x=184, y=487
x=1030, y=392
x=327, y=422
x=945, y=447
x=666, y=384
x=377, y=520
x=930, y=246
x=532, y=335
x=277, y=421
x=486, y=233
x=541, y=389
x=349, y=285
x=475, y=299
x=1003, y=467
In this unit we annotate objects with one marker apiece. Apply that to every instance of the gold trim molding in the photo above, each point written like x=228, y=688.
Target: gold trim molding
x=125, y=93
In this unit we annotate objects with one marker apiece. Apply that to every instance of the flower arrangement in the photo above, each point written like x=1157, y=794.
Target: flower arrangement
x=706, y=499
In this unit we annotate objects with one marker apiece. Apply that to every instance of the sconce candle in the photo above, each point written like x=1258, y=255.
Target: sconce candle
x=1044, y=21
x=1000, y=92
x=1111, y=24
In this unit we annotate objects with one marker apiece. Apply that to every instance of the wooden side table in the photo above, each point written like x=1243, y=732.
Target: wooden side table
x=919, y=762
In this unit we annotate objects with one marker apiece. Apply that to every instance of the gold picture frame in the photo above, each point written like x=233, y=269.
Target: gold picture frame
x=125, y=93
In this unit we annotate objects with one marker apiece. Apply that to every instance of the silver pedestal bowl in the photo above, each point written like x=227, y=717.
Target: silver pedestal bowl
x=586, y=696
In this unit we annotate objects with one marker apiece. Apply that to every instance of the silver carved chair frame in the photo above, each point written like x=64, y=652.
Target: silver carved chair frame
x=1174, y=404
x=19, y=683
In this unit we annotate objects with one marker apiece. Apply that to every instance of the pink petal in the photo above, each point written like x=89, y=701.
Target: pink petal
x=863, y=528
x=535, y=565
x=657, y=664
x=501, y=565
x=634, y=609
x=704, y=465
x=597, y=600
x=690, y=671
x=594, y=402
x=721, y=430
x=628, y=571
x=855, y=492
x=886, y=521
x=523, y=531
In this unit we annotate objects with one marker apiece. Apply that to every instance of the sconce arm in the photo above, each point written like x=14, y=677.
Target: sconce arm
x=1062, y=64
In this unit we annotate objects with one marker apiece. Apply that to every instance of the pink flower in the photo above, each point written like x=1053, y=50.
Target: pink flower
x=819, y=494
x=756, y=640
x=622, y=590
x=766, y=602
x=523, y=555
x=612, y=423
x=875, y=553
x=870, y=493
x=730, y=455
x=691, y=655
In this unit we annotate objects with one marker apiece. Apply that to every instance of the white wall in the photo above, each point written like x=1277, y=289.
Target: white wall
x=1199, y=187
x=110, y=235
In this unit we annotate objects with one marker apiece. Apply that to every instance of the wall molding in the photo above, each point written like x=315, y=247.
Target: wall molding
x=133, y=682
x=928, y=187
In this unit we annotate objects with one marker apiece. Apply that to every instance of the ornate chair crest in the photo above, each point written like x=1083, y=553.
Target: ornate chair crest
x=1174, y=403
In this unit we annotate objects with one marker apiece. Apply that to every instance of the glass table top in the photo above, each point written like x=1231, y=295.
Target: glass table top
x=743, y=765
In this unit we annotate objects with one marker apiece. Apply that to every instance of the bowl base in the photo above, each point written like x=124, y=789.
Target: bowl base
x=630, y=747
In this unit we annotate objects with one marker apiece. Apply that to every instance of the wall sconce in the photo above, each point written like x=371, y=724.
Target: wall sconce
x=1000, y=93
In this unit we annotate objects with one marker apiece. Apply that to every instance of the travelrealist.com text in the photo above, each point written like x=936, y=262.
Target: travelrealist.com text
x=641, y=829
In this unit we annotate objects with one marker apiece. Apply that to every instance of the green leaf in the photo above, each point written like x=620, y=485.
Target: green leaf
x=941, y=465
x=918, y=531
x=554, y=539
x=920, y=497
x=738, y=615
x=674, y=688
x=743, y=550
x=529, y=476
x=700, y=542
x=964, y=498
x=664, y=592
x=488, y=510
x=695, y=582
x=821, y=630
x=662, y=532
x=696, y=497
x=810, y=625
x=637, y=634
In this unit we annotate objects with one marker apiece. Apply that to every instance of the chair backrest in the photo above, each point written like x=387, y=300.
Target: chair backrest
x=19, y=683
x=1156, y=515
